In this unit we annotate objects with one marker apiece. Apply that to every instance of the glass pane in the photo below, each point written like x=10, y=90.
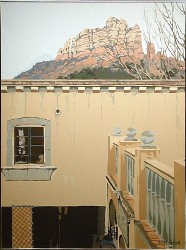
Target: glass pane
x=37, y=150
x=21, y=160
x=36, y=131
x=21, y=140
x=37, y=140
x=37, y=154
x=21, y=131
x=21, y=150
x=37, y=158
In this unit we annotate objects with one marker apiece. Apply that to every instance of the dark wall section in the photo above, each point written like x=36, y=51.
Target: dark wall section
x=45, y=227
x=78, y=226
x=101, y=220
x=6, y=227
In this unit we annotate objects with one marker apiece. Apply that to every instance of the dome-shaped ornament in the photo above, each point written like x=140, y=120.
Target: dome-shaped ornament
x=117, y=132
x=147, y=138
x=130, y=133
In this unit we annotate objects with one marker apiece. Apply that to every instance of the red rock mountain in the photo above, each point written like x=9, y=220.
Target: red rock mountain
x=100, y=47
x=92, y=48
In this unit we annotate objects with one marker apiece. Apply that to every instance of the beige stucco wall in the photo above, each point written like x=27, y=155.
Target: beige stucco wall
x=79, y=139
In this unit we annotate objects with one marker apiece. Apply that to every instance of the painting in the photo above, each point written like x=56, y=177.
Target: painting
x=93, y=124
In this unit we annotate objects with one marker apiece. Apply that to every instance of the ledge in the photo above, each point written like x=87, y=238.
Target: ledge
x=130, y=152
x=94, y=85
x=165, y=171
x=95, y=82
x=149, y=234
x=128, y=201
x=28, y=173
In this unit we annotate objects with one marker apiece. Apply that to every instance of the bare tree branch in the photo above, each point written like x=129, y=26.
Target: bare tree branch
x=167, y=36
x=171, y=38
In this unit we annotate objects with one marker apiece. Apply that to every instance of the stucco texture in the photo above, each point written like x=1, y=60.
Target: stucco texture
x=79, y=139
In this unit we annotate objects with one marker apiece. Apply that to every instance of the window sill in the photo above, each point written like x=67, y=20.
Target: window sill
x=28, y=173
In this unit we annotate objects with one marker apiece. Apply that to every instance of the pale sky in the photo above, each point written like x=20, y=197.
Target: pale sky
x=34, y=31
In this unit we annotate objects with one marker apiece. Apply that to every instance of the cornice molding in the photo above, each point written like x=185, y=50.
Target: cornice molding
x=96, y=86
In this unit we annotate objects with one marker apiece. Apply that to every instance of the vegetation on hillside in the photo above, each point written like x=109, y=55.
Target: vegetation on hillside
x=99, y=73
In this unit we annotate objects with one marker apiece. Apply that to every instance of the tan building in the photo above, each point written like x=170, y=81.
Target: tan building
x=145, y=198
x=54, y=144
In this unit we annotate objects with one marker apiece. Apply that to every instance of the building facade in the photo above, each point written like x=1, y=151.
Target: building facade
x=54, y=136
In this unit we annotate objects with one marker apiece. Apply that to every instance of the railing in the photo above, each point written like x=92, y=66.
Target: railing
x=123, y=221
x=130, y=162
x=153, y=188
x=160, y=204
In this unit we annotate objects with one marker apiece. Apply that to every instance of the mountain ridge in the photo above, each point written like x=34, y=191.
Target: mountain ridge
x=114, y=46
x=91, y=48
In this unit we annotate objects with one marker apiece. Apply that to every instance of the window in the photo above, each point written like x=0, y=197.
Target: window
x=116, y=152
x=28, y=145
x=34, y=128
x=130, y=164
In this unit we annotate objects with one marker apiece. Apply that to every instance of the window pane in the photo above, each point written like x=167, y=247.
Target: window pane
x=37, y=158
x=21, y=150
x=37, y=154
x=19, y=141
x=36, y=131
x=36, y=150
x=37, y=141
x=23, y=159
x=21, y=131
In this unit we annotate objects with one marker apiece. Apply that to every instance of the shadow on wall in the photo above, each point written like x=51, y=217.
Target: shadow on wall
x=75, y=229
x=45, y=227
x=6, y=227
x=78, y=226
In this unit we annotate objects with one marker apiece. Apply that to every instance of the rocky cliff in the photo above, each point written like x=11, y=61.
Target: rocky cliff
x=106, y=47
x=105, y=44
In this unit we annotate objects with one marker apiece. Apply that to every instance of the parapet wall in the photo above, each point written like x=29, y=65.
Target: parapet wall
x=95, y=85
